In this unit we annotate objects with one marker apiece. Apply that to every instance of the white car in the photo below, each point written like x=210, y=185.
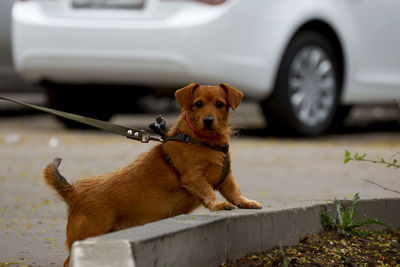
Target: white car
x=305, y=61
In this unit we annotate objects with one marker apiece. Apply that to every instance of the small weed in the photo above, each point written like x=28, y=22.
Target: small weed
x=344, y=222
x=357, y=157
x=285, y=262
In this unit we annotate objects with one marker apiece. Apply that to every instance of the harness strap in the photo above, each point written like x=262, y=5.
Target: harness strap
x=187, y=139
x=225, y=170
x=168, y=160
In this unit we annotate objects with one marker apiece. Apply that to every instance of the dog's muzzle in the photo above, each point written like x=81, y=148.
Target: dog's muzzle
x=208, y=121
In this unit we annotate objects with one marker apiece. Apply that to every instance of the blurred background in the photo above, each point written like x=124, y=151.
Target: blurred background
x=301, y=73
x=319, y=78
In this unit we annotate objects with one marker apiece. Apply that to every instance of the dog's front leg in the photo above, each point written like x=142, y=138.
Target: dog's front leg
x=231, y=192
x=200, y=188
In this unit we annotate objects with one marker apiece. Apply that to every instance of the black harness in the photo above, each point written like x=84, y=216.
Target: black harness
x=187, y=139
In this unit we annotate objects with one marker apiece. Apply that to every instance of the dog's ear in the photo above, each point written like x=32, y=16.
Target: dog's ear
x=184, y=96
x=234, y=96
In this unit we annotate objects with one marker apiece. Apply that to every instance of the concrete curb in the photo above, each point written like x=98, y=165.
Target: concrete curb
x=210, y=239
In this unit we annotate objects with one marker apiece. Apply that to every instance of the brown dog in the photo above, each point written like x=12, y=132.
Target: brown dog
x=170, y=179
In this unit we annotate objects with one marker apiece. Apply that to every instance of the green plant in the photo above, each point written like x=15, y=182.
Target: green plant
x=357, y=157
x=285, y=262
x=344, y=222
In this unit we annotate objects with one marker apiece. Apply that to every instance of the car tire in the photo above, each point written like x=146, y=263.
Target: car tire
x=77, y=100
x=307, y=87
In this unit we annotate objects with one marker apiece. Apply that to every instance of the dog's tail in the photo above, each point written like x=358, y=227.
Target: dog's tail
x=55, y=180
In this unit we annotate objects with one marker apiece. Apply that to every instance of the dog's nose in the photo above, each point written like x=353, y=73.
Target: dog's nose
x=208, y=120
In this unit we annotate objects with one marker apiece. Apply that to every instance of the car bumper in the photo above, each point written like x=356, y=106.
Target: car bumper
x=185, y=46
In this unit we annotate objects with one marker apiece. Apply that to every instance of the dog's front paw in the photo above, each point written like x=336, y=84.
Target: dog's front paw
x=222, y=206
x=250, y=204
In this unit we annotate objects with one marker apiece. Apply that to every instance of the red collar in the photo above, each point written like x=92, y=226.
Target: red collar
x=198, y=132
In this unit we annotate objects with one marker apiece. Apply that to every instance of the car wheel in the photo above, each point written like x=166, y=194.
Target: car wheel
x=77, y=100
x=307, y=87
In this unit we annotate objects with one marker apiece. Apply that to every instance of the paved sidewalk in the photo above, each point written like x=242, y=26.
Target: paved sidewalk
x=271, y=170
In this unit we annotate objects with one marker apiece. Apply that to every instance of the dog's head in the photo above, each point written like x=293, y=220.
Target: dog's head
x=207, y=107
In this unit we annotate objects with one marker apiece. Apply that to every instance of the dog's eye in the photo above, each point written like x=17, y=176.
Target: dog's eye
x=198, y=104
x=219, y=104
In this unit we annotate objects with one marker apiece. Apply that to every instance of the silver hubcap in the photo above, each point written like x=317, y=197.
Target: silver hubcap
x=312, y=85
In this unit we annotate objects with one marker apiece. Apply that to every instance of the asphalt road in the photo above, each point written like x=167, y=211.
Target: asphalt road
x=271, y=169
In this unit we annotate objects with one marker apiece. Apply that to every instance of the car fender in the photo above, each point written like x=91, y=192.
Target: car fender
x=299, y=14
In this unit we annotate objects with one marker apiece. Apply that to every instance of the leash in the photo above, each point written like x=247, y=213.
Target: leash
x=131, y=133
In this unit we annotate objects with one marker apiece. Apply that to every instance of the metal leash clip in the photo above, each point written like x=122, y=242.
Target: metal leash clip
x=143, y=136
x=159, y=127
